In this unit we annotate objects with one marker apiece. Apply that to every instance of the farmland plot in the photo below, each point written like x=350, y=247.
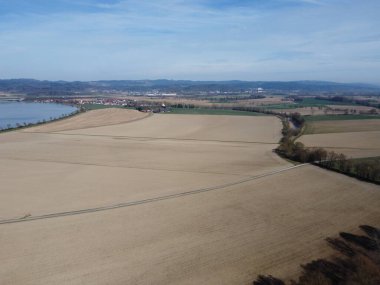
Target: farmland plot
x=198, y=200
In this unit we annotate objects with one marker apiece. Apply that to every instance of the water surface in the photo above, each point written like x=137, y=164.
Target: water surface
x=13, y=113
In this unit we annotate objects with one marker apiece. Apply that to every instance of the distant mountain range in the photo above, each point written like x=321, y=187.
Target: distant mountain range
x=52, y=88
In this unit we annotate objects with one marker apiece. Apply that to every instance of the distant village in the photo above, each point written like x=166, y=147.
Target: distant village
x=111, y=102
x=143, y=105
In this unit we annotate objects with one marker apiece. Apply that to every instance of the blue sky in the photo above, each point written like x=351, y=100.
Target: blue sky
x=336, y=40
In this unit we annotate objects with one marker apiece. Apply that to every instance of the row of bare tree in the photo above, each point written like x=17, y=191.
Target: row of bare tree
x=364, y=169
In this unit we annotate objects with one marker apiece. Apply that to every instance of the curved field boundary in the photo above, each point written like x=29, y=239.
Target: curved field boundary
x=119, y=166
x=145, y=201
x=153, y=138
x=89, y=127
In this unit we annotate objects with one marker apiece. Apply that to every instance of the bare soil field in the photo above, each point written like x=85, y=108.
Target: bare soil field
x=262, y=129
x=74, y=172
x=352, y=107
x=343, y=126
x=352, y=144
x=197, y=200
x=328, y=110
x=305, y=111
x=159, y=155
x=271, y=100
x=94, y=118
x=208, y=103
x=177, y=100
x=268, y=100
x=267, y=226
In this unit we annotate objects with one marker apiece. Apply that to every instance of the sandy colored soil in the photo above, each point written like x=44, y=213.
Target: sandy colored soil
x=240, y=227
x=93, y=118
x=333, y=110
x=354, y=144
x=189, y=127
x=309, y=111
x=354, y=138
x=221, y=237
x=206, y=103
x=343, y=126
x=271, y=100
x=159, y=155
x=352, y=107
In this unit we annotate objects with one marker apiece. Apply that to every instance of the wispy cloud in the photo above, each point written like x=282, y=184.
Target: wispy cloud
x=200, y=39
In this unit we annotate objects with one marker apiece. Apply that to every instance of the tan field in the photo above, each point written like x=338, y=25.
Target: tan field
x=357, y=108
x=322, y=127
x=96, y=118
x=354, y=138
x=160, y=155
x=328, y=110
x=263, y=129
x=167, y=199
x=306, y=111
x=353, y=144
x=268, y=100
x=209, y=103
x=271, y=100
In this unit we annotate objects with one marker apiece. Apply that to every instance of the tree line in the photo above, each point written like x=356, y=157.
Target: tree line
x=368, y=170
x=350, y=100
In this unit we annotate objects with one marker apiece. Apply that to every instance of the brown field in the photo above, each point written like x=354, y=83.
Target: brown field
x=268, y=100
x=271, y=100
x=157, y=156
x=190, y=127
x=168, y=100
x=357, y=108
x=233, y=226
x=305, y=111
x=208, y=103
x=324, y=127
x=353, y=144
x=354, y=138
x=103, y=117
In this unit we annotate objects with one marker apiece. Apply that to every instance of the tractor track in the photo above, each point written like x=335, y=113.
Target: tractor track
x=144, y=201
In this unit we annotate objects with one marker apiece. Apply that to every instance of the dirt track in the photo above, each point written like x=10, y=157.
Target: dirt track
x=265, y=225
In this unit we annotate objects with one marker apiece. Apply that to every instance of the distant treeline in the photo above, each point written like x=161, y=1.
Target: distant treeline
x=227, y=99
x=357, y=262
x=350, y=100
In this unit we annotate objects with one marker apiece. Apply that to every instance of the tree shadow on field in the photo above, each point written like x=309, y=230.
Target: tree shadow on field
x=356, y=262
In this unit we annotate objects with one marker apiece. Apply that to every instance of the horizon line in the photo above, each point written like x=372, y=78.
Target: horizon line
x=196, y=80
